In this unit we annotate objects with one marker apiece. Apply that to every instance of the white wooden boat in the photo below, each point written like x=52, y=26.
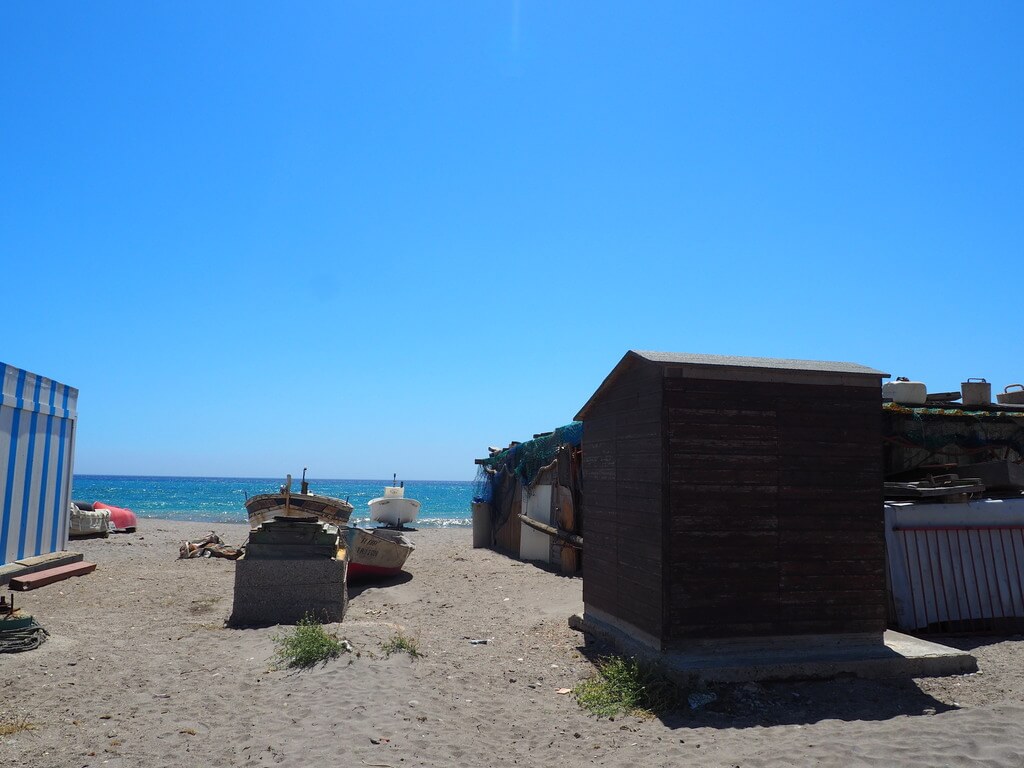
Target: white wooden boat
x=393, y=508
x=284, y=503
x=377, y=552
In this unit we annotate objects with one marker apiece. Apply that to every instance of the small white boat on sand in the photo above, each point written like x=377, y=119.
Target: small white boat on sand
x=284, y=503
x=393, y=509
x=376, y=553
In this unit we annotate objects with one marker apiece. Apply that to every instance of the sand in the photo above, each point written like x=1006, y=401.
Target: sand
x=140, y=670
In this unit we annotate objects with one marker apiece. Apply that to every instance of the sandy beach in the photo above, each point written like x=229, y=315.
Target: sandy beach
x=140, y=670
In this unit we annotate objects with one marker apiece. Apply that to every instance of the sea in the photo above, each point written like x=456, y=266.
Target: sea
x=443, y=503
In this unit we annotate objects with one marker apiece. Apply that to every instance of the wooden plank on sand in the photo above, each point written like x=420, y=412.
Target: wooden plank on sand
x=50, y=575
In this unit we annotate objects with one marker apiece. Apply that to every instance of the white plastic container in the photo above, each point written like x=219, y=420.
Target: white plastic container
x=975, y=392
x=1011, y=396
x=905, y=392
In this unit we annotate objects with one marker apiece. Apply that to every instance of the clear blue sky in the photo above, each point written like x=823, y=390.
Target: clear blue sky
x=377, y=237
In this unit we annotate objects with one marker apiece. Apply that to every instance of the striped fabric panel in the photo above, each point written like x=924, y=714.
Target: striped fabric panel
x=37, y=418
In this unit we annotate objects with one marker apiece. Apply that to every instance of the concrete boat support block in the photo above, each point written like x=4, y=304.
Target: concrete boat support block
x=40, y=563
x=285, y=591
x=726, y=660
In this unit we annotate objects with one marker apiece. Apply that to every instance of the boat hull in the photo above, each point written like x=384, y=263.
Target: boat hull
x=393, y=511
x=327, y=509
x=120, y=519
x=376, y=554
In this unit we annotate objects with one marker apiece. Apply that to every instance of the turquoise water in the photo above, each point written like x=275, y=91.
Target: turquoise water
x=221, y=499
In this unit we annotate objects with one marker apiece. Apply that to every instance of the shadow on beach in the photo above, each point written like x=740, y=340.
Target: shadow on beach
x=356, y=586
x=759, y=705
x=975, y=641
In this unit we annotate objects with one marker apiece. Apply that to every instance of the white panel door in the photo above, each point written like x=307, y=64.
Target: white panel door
x=534, y=545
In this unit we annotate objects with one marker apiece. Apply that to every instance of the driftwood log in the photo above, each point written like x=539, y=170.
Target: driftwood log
x=571, y=539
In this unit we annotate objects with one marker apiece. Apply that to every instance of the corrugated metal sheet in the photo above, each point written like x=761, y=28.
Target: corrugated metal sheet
x=37, y=445
x=956, y=567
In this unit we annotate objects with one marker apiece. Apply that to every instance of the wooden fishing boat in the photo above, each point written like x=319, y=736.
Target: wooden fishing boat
x=284, y=503
x=376, y=553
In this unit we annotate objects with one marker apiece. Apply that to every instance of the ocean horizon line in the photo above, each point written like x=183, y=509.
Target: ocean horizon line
x=309, y=478
x=177, y=497
x=199, y=516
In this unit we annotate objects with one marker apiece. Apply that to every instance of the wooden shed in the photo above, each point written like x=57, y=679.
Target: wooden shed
x=733, y=497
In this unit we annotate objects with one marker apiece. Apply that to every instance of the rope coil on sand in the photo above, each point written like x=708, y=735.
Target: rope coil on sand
x=23, y=638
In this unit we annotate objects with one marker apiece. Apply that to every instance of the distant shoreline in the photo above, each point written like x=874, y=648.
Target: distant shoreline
x=431, y=523
x=311, y=479
x=446, y=503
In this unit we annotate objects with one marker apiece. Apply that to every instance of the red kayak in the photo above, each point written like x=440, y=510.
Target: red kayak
x=120, y=519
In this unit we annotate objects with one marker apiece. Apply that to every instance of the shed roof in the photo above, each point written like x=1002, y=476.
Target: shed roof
x=709, y=365
x=729, y=361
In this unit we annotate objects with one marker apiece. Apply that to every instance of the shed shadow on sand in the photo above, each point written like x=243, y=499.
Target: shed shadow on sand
x=974, y=641
x=759, y=705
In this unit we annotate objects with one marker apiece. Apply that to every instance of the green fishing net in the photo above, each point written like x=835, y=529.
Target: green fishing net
x=524, y=460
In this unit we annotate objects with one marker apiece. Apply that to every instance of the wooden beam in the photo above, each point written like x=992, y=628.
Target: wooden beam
x=570, y=538
x=50, y=575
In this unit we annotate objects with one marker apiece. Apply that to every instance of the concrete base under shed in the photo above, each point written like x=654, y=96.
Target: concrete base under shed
x=38, y=563
x=790, y=658
x=278, y=591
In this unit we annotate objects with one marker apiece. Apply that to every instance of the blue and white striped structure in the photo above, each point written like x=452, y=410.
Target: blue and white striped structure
x=37, y=446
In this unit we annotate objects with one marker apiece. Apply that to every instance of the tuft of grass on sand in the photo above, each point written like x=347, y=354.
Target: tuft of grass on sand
x=308, y=644
x=400, y=643
x=627, y=686
x=9, y=727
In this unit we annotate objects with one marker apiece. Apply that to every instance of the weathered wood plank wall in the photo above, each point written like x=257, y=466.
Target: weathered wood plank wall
x=775, y=503
x=622, y=501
